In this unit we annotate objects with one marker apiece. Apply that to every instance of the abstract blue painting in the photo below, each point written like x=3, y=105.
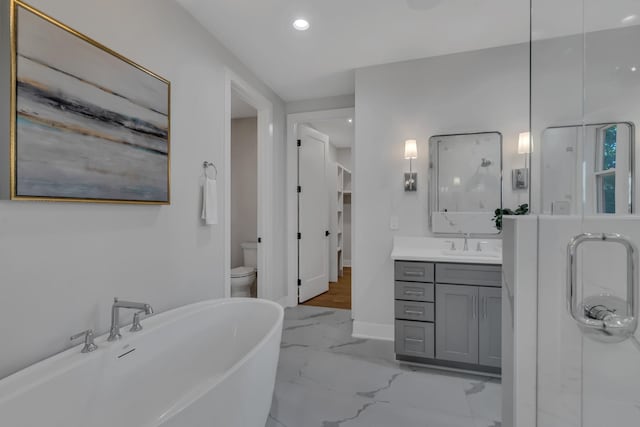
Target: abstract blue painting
x=90, y=125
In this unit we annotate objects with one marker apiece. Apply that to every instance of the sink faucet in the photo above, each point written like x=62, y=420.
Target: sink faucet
x=114, y=333
x=466, y=236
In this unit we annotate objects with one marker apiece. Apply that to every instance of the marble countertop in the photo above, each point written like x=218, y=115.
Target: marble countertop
x=439, y=250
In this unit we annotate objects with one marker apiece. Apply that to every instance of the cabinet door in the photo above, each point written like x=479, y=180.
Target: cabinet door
x=457, y=323
x=490, y=345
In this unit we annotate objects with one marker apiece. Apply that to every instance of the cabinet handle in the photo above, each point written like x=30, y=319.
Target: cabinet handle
x=414, y=312
x=484, y=307
x=413, y=340
x=415, y=293
x=414, y=273
x=474, y=307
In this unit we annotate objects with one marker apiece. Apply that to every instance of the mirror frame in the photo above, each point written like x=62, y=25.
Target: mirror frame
x=433, y=179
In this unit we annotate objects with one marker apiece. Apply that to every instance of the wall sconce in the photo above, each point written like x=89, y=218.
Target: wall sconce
x=520, y=177
x=410, y=153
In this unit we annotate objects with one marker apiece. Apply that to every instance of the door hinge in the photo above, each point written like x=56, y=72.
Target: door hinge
x=259, y=239
x=299, y=236
x=299, y=189
x=299, y=282
x=299, y=143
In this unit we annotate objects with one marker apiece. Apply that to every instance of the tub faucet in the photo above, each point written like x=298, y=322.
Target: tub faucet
x=114, y=333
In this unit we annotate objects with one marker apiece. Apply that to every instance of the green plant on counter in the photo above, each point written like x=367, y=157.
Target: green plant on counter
x=523, y=209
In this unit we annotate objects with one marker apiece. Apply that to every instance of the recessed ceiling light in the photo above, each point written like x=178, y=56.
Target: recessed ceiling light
x=633, y=68
x=350, y=120
x=628, y=19
x=301, y=24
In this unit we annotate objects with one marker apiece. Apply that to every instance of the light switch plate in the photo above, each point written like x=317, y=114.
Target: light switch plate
x=520, y=179
x=394, y=223
x=560, y=207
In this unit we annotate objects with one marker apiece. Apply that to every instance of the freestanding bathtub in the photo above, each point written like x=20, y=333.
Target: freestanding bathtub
x=210, y=364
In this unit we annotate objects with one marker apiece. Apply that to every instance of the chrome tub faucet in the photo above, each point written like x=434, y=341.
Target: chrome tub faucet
x=114, y=332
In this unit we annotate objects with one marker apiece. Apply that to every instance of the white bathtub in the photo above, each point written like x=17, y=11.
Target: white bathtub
x=207, y=364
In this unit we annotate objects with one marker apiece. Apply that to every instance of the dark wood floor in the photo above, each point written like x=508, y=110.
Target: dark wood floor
x=339, y=294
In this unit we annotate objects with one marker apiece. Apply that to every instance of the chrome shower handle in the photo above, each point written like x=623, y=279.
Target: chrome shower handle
x=611, y=327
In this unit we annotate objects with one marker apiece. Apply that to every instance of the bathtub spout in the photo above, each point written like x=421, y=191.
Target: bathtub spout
x=114, y=332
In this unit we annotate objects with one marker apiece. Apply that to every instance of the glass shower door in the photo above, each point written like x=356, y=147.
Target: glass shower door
x=585, y=110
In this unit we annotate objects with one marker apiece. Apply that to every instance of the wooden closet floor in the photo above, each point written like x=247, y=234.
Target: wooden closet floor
x=339, y=294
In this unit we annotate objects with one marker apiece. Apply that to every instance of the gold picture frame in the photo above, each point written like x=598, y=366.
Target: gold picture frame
x=87, y=124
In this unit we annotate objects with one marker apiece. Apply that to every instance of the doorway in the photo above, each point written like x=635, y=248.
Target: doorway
x=247, y=98
x=321, y=172
x=244, y=198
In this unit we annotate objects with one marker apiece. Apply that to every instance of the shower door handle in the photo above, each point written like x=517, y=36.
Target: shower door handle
x=606, y=317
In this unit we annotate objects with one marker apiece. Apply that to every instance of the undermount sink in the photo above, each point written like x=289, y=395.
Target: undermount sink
x=471, y=254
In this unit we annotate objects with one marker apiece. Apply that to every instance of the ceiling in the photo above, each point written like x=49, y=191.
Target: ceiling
x=339, y=131
x=346, y=35
x=240, y=109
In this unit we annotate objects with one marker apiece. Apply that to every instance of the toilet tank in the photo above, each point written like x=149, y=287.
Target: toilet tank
x=250, y=254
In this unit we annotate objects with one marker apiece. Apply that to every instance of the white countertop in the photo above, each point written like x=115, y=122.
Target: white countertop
x=439, y=250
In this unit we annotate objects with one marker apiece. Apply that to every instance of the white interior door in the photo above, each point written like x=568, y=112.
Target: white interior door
x=313, y=214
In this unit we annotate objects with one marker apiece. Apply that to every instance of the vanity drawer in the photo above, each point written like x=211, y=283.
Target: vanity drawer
x=414, y=339
x=414, y=310
x=469, y=274
x=414, y=271
x=414, y=291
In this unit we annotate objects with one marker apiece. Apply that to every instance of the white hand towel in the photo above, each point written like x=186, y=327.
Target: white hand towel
x=209, y=201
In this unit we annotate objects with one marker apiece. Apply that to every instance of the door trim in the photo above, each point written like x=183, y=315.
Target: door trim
x=265, y=181
x=291, y=193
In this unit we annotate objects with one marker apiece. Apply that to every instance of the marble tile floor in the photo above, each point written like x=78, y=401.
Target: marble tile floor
x=327, y=378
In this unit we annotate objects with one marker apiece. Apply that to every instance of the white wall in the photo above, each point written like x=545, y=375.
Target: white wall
x=244, y=185
x=62, y=263
x=320, y=104
x=485, y=90
x=344, y=157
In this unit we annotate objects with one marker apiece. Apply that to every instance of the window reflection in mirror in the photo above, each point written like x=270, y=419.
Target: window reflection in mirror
x=587, y=169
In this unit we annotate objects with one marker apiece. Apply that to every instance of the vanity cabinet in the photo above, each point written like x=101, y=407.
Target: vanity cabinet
x=449, y=314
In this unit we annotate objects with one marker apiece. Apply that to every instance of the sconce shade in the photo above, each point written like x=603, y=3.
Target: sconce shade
x=524, y=143
x=410, y=149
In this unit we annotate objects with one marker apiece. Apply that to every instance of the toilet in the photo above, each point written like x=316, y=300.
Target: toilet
x=243, y=278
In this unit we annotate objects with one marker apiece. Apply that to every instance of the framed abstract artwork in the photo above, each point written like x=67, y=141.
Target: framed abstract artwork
x=88, y=124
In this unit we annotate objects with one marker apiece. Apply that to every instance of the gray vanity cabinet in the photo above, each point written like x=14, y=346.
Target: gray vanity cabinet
x=449, y=314
x=490, y=326
x=457, y=323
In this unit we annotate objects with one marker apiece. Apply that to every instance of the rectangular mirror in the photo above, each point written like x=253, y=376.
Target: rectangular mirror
x=587, y=169
x=465, y=182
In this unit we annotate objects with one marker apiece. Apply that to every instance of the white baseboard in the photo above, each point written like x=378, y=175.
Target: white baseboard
x=346, y=263
x=291, y=301
x=373, y=331
x=284, y=302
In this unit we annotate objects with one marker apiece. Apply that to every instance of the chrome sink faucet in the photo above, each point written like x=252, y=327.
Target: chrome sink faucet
x=114, y=332
x=89, y=344
x=466, y=236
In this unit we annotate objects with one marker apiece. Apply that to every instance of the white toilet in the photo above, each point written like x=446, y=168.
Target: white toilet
x=243, y=278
